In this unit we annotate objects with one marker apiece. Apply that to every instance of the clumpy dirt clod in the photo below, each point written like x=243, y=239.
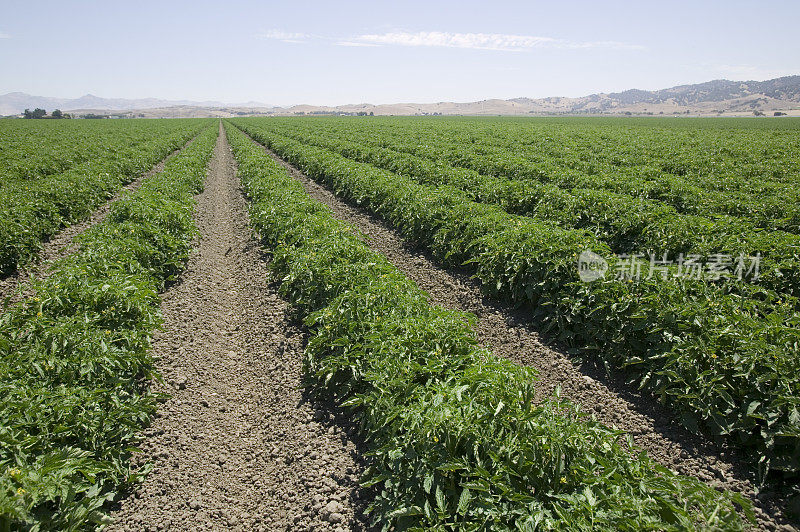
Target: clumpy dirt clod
x=239, y=445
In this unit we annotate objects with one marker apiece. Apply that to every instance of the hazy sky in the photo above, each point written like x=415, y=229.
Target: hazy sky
x=339, y=52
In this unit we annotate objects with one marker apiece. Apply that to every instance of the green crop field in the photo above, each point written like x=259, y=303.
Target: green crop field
x=663, y=251
x=517, y=207
x=74, y=352
x=54, y=174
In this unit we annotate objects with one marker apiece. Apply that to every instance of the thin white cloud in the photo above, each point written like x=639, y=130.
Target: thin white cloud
x=4, y=35
x=357, y=44
x=284, y=36
x=485, y=41
x=475, y=41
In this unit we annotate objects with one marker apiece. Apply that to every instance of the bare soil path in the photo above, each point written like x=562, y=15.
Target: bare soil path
x=511, y=334
x=63, y=242
x=238, y=446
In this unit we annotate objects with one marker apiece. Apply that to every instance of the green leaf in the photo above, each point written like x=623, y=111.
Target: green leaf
x=463, y=501
x=441, y=503
x=428, y=483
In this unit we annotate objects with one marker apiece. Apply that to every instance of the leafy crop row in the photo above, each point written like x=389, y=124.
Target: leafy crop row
x=697, y=170
x=720, y=360
x=456, y=439
x=32, y=149
x=627, y=224
x=32, y=210
x=74, y=355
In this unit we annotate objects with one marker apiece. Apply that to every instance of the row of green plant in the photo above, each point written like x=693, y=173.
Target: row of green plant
x=714, y=158
x=74, y=361
x=722, y=360
x=628, y=225
x=716, y=155
x=608, y=155
x=538, y=154
x=775, y=210
x=33, y=149
x=776, y=278
x=31, y=211
x=456, y=440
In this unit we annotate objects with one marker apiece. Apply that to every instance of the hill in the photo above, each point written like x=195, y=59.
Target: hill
x=717, y=97
x=16, y=102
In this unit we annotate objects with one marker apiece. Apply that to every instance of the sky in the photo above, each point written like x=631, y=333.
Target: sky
x=331, y=53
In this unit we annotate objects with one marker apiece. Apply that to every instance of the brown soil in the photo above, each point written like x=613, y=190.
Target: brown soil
x=63, y=243
x=511, y=334
x=238, y=446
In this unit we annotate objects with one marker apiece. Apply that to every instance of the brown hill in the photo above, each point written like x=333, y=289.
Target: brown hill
x=713, y=98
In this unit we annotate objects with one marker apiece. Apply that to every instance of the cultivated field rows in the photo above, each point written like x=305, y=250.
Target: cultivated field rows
x=74, y=354
x=739, y=168
x=510, y=333
x=312, y=262
x=348, y=340
x=38, y=202
x=239, y=445
x=628, y=224
x=723, y=356
x=63, y=242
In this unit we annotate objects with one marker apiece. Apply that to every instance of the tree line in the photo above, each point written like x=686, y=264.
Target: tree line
x=39, y=113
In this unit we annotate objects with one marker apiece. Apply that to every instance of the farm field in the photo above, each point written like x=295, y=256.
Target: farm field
x=55, y=174
x=720, y=350
x=346, y=323
x=74, y=352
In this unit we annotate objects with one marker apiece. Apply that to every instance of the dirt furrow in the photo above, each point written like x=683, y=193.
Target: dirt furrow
x=62, y=243
x=510, y=333
x=238, y=446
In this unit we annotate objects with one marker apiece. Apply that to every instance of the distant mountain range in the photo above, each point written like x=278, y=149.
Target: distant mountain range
x=17, y=102
x=718, y=97
x=720, y=94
